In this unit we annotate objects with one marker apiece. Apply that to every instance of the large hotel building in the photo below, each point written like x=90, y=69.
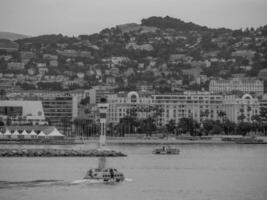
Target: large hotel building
x=198, y=105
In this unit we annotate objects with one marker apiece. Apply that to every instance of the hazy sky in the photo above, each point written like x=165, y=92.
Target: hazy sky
x=74, y=17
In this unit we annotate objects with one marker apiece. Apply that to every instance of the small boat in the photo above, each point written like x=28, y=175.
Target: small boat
x=107, y=175
x=166, y=150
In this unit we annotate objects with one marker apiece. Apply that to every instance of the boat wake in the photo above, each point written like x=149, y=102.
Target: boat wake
x=34, y=183
x=43, y=183
x=90, y=181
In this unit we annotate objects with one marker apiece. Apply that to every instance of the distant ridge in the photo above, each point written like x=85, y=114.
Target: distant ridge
x=12, y=36
x=173, y=23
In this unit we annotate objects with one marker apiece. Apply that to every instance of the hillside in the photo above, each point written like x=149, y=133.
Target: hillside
x=172, y=23
x=12, y=36
x=8, y=45
x=164, y=52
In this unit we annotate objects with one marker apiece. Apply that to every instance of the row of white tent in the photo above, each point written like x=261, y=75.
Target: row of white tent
x=31, y=135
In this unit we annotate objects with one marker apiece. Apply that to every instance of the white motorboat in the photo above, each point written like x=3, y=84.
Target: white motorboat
x=166, y=150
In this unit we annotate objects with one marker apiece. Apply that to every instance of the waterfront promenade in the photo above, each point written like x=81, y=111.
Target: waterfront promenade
x=217, y=139
x=168, y=140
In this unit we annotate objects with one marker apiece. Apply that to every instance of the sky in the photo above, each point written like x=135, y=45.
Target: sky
x=75, y=17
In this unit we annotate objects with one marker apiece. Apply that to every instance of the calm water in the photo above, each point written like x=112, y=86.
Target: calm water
x=234, y=172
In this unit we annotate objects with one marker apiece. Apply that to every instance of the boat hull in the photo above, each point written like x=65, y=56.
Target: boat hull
x=166, y=152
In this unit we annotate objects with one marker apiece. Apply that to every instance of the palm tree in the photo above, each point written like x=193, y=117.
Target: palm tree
x=241, y=117
x=171, y=126
x=66, y=124
x=221, y=115
x=148, y=125
x=263, y=115
x=229, y=127
x=111, y=129
x=207, y=112
x=256, y=122
x=188, y=125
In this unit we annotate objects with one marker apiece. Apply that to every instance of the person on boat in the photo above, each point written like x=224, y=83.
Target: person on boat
x=111, y=173
x=90, y=173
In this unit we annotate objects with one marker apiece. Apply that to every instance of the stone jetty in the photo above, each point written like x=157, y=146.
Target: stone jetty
x=59, y=153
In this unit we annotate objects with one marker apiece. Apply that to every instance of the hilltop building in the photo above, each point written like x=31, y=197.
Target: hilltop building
x=245, y=85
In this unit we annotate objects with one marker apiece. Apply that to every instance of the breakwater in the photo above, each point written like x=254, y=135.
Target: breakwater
x=59, y=153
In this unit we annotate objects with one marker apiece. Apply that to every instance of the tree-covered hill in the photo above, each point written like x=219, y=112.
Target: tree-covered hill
x=172, y=23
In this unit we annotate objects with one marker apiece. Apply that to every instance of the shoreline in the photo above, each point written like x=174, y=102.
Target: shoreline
x=218, y=139
x=176, y=142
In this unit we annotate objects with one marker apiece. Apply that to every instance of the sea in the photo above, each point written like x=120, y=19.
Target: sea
x=199, y=172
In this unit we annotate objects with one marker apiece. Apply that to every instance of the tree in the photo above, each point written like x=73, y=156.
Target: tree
x=171, y=126
x=217, y=129
x=243, y=128
x=8, y=121
x=127, y=124
x=148, y=126
x=188, y=125
x=256, y=122
x=221, y=115
x=2, y=93
x=229, y=127
x=66, y=122
x=208, y=125
x=241, y=117
x=204, y=114
x=1, y=123
x=263, y=115
x=85, y=101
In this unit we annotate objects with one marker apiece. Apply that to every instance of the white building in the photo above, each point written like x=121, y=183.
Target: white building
x=245, y=106
x=123, y=104
x=22, y=112
x=245, y=85
x=198, y=105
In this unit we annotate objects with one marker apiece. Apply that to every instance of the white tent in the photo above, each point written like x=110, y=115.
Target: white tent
x=41, y=135
x=7, y=133
x=25, y=134
x=32, y=134
x=55, y=133
x=15, y=134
